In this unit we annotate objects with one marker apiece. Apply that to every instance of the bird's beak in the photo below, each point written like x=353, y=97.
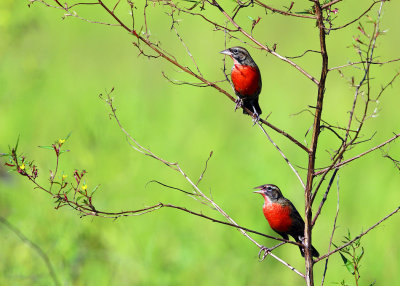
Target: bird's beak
x=226, y=52
x=260, y=189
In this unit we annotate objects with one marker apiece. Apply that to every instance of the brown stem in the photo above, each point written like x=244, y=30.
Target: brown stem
x=284, y=12
x=327, y=5
x=313, y=148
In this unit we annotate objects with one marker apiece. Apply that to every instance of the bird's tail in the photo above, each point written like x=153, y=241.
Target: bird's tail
x=252, y=105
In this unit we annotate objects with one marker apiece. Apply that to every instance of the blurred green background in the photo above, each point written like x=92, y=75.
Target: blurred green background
x=51, y=73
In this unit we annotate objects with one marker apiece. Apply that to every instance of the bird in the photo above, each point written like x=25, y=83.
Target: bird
x=282, y=215
x=246, y=79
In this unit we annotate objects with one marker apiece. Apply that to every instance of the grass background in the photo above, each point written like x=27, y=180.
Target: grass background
x=51, y=73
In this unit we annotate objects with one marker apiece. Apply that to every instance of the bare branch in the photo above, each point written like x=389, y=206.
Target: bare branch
x=308, y=51
x=333, y=230
x=356, y=19
x=327, y=5
x=174, y=188
x=325, y=197
x=364, y=62
x=313, y=146
x=283, y=12
x=284, y=157
x=357, y=237
x=356, y=157
x=205, y=169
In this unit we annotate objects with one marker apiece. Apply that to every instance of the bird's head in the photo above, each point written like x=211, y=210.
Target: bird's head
x=239, y=55
x=269, y=191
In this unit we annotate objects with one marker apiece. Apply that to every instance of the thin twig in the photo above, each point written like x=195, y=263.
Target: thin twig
x=357, y=157
x=327, y=5
x=357, y=237
x=333, y=229
x=284, y=157
x=283, y=12
x=325, y=197
x=364, y=62
x=205, y=169
x=356, y=19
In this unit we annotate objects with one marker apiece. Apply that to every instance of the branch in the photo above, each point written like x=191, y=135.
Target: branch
x=284, y=157
x=327, y=5
x=357, y=237
x=356, y=157
x=313, y=147
x=283, y=12
x=333, y=230
x=356, y=19
x=325, y=197
x=364, y=62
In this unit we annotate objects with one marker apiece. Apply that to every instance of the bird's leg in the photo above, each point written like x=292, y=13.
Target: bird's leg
x=239, y=103
x=263, y=253
x=256, y=116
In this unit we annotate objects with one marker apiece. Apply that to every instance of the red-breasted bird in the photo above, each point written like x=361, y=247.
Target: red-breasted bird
x=246, y=79
x=282, y=216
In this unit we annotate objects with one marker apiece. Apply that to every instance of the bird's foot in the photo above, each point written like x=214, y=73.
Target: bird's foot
x=263, y=253
x=239, y=103
x=256, y=118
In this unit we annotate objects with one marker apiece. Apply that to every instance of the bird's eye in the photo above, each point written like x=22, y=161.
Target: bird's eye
x=269, y=188
x=235, y=51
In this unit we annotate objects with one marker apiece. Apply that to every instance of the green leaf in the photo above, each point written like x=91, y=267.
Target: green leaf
x=94, y=190
x=251, y=18
x=16, y=145
x=69, y=134
x=347, y=263
x=304, y=12
x=361, y=255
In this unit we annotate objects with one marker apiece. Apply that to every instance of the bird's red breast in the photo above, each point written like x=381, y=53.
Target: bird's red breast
x=278, y=216
x=246, y=79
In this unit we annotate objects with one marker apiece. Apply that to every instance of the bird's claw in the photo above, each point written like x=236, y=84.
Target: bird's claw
x=239, y=103
x=263, y=253
x=256, y=118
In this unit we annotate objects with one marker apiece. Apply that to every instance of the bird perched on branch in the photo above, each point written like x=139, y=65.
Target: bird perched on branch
x=246, y=79
x=282, y=216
